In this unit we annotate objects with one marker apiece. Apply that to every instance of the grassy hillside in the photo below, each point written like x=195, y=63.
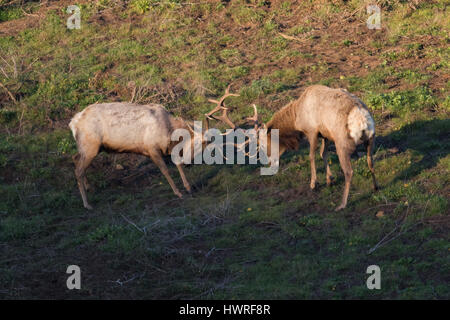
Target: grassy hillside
x=240, y=235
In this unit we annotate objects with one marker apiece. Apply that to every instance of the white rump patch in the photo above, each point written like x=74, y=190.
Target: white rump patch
x=73, y=123
x=359, y=122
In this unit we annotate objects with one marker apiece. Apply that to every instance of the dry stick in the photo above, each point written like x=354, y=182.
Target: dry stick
x=383, y=242
x=289, y=37
x=133, y=224
x=9, y=92
x=121, y=283
x=5, y=61
x=29, y=14
x=356, y=11
x=4, y=73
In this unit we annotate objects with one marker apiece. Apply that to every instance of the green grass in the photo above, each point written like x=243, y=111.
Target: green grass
x=12, y=13
x=240, y=235
x=401, y=103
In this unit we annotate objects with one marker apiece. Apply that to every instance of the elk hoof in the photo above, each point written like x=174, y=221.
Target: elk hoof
x=312, y=185
x=89, y=207
x=340, y=207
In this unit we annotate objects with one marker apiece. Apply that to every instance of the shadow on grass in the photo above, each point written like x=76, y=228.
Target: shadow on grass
x=427, y=138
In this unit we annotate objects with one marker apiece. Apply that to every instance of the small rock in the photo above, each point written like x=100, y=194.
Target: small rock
x=380, y=214
x=119, y=167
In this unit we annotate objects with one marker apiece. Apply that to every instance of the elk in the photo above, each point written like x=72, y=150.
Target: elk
x=129, y=127
x=124, y=127
x=334, y=115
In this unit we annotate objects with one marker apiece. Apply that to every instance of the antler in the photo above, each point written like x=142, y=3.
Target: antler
x=221, y=106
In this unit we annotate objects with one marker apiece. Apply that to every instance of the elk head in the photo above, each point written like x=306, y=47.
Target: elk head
x=264, y=141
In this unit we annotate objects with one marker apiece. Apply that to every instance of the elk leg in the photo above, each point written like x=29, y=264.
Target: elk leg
x=322, y=147
x=370, y=147
x=324, y=155
x=86, y=184
x=346, y=165
x=158, y=160
x=76, y=158
x=312, y=159
x=82, y=161
x=183, y=177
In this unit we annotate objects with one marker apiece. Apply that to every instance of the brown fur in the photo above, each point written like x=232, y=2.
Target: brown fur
x=283, y=120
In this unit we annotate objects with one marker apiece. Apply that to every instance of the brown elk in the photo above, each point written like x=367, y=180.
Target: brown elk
x=129, y=127
x=333, y=115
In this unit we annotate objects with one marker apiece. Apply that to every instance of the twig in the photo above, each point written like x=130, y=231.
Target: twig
x=289, y=37
x=121, y=283
x=29, y=14
x=383, y=241
x=152, y=225
x=9, y=92
x=133, y=224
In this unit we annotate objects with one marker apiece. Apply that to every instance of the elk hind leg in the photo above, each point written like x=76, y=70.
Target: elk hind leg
x=324, y=156
x=312, y=159
x=82, y=162
x=370, y=146
x=346, y=165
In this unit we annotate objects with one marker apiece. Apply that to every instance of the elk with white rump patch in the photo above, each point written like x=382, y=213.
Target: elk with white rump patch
x=334, y=115
x=125, y=127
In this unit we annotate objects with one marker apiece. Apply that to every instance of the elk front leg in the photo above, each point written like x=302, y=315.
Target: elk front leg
x=312, y=159
x=324, y=155
x=346, y=165
x=158, y=160
x=183, y=177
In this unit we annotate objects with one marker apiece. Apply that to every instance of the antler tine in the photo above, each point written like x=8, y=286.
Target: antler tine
x=217, y=108
x=254, y=118
x=224, y=118
x=227, y=94
x=220, y=105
